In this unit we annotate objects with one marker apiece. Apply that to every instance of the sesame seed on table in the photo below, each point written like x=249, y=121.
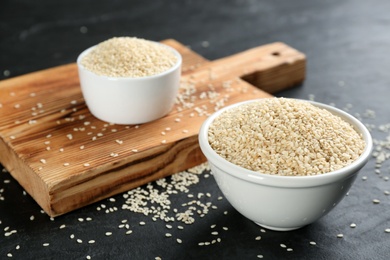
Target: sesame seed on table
x=185, y=215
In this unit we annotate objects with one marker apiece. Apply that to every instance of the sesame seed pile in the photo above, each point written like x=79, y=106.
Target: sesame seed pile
x=285, y=137
x=129, y=57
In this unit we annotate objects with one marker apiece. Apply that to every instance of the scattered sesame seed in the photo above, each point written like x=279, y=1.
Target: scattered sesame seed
x=6, y=73
x=168, y=234
x=353, y=225
x=258, y=238
x=178, y=240
x=283, y=246
x=114, y=154
x=45, y=244
x=259, y=256
x=79, y=241
x=387, y=230
x=376, y=201
x=205, y=44
x=340, y=235
x=313, y=243
x=142, y=223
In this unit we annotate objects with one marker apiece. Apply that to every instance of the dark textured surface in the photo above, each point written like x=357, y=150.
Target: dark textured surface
x=346, y=43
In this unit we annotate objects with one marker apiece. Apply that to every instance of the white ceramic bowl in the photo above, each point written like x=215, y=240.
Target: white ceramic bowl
x=283, y=202
x=124, y=100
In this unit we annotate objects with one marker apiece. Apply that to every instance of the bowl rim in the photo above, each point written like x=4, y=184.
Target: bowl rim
x=287, y=181
x=176, y=66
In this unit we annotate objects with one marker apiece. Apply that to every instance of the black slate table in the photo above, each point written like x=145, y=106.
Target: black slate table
x=346, y=43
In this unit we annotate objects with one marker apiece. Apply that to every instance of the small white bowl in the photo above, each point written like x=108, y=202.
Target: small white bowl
x=283, y=202
x=127, y=101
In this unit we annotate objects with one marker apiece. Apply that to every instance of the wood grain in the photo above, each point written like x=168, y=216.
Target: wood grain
x=66, y=159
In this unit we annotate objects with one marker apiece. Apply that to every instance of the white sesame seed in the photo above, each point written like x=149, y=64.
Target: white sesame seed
x=376, y=201
x=45, y=244
x=258, y=238
x=313, y=243
x=142, y=223
x=178, y=240
x=283, y=245
x=387, y=230
x=353, y=225
x=168, y=234
x=340, y=235
x=259, y=256
x=79, y=241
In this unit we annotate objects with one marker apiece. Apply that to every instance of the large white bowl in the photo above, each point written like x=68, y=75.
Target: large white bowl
x=125, y=100
x=283, y=202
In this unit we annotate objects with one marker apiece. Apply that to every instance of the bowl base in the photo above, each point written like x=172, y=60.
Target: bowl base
x=278, y=228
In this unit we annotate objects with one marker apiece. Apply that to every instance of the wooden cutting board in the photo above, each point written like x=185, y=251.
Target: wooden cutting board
x=65, y=158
